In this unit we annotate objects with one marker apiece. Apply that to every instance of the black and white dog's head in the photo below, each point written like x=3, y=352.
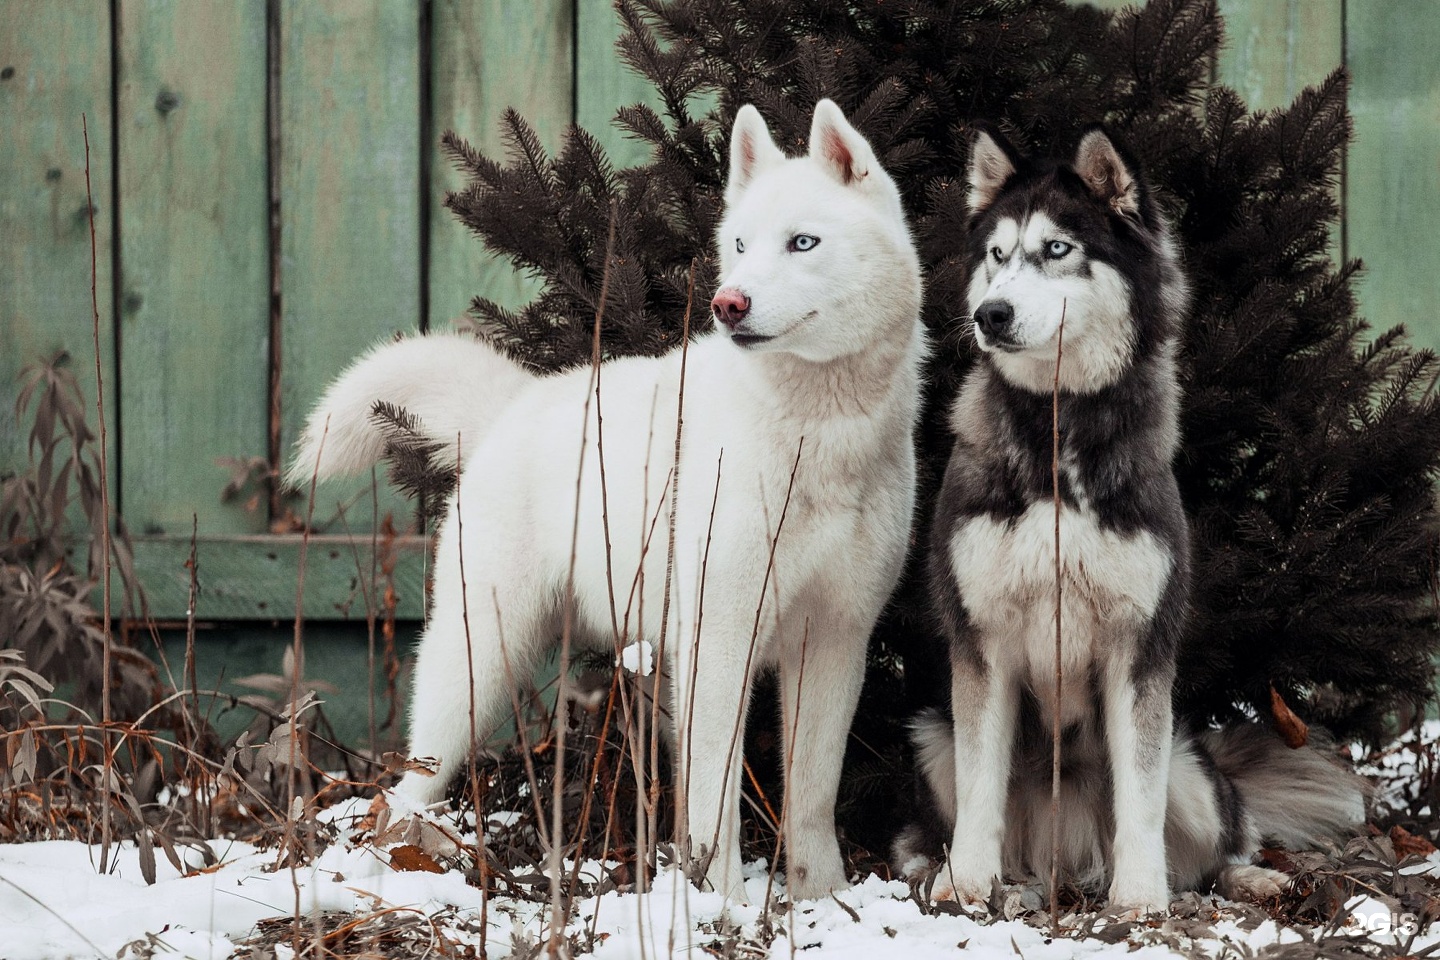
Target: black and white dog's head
x=1079, y=239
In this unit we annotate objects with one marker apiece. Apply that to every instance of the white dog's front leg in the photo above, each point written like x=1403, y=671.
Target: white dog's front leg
x=711, y=698
x=984, y=701
x=1138, y=729
x=826, y=693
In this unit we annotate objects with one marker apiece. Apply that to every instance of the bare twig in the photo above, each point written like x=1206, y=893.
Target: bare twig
x=669, y=563
x=105, y=626
x=639, y=756
x=784, y=830
x=470, y=680
x=1059, y=664
x=297, y=667
x=557, y=827
x=525, y=751
x=682, y=814
x=600, y=438
x=754, y=639
x=372, y=612
x=590, y=793
x=192, y=565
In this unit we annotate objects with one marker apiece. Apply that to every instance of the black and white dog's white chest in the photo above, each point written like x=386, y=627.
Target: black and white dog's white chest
x=1111, y=583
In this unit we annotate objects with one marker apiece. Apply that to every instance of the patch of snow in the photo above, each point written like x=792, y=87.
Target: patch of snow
x=55, y=904
x=638, y=658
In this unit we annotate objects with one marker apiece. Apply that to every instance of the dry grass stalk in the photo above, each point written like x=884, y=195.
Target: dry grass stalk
x=754, y=639
x=199, y=811
x=292, y=814
x=557, y=827
x=1059, y=663
x=520, y=726
x=784, y=826
x=371, y=613
x=368, y=585
x=108, y=762
x=660, y=650
x=470, y=677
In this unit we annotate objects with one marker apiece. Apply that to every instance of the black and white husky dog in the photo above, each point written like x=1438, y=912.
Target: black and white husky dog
x=1143, y=808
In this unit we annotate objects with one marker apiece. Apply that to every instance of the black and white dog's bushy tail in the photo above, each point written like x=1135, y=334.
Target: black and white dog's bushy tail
x=1232, y=791
x=1299, y=799
x=450, y=383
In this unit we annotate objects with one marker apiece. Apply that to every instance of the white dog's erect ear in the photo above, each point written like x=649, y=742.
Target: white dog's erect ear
x=839, y=146
x=1107, y=175
x=751, y=150
x=992, y=162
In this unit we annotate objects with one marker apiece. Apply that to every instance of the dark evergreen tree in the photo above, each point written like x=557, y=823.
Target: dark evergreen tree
x=1310, y=449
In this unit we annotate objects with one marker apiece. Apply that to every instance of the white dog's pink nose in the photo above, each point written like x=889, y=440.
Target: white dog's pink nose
x=730, y=306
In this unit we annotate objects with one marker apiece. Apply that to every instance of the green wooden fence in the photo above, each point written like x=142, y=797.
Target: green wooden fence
x=267, y=190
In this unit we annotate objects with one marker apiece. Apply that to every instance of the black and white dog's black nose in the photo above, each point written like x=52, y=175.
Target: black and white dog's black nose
x=994, y=318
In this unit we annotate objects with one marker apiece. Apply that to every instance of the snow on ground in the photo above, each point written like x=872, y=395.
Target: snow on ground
x=1398, y=769
x=54, y=904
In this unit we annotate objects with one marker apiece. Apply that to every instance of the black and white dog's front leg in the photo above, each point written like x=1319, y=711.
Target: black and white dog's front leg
x=1139, y=731
x=985, y=702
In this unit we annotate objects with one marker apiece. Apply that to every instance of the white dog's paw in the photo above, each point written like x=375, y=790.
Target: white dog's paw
x=811, y=883
x=967, y=887
x=1246, y=882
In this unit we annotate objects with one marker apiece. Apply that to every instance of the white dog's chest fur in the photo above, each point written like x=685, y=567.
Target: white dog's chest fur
x=1111, y=585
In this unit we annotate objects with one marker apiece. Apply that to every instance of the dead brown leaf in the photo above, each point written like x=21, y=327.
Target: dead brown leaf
x=1407, y=843
x=1294, y=731
x=412, y=859
x=1277, y=859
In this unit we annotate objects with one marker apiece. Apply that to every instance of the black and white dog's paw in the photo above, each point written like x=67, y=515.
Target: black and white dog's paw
x=1246, y=882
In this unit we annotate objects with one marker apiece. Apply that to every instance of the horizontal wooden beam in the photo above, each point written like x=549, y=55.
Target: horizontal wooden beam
x=255, y=577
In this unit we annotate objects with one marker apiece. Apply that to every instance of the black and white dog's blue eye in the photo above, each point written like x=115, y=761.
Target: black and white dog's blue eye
x=997, y=253
x=739, y=245
x=802, y=242
x=1056, y=249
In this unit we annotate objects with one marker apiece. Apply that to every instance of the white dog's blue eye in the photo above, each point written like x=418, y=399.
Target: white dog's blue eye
x=1056, y=249
x=997, y=253
x=802, y=242
x=739, y=245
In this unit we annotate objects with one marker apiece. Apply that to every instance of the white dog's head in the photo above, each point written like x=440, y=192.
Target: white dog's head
x=1079, y=240
x=815, y=255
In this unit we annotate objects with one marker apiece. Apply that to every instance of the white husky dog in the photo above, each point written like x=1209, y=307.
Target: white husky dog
x=816, y=359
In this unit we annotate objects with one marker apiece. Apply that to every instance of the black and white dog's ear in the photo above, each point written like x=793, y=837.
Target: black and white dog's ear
x=1109, y=176
x=992, y=162
x=751, y=150
x=838, y=146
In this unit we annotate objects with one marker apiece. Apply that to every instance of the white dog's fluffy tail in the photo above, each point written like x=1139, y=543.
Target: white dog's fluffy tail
x=454, y=384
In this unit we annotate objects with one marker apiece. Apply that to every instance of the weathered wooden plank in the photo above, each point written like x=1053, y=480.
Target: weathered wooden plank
x=254, y=577
x=1393, y=171
x=486, y=57
x=335, y=654
x=195, y=304
x=604, y=83
x=1276, y=48
x=349, y=201
x=54, y=67
x=1273, y=48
